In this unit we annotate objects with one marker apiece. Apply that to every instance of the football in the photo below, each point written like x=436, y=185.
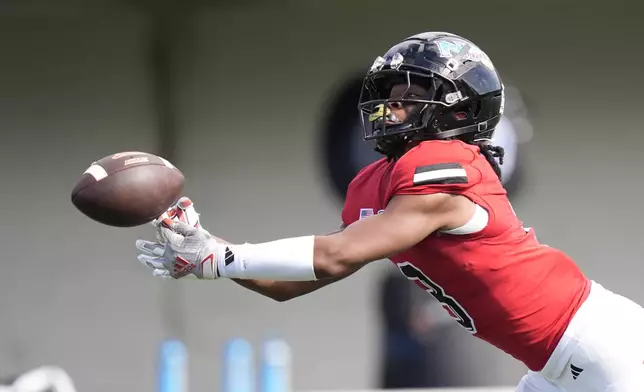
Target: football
x=128, y=189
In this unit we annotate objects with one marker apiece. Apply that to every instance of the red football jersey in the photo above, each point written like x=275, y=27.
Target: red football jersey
x=499, y=283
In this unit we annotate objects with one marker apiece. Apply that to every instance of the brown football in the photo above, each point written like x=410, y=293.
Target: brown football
x=128, y=189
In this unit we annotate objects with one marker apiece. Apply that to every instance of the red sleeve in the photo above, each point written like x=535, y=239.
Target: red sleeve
x=346, y=219
x=353, y=202
x=435, y=167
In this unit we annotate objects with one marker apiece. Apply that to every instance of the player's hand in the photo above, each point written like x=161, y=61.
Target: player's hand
x=162, y=256
x=182, y=250
x=183, y=211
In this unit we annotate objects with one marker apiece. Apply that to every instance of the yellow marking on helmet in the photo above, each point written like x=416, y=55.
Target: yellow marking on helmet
x=379, y=113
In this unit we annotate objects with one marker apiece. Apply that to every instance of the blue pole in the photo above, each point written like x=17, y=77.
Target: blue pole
x=276, y=366
x=239, y=367
x=173, y=367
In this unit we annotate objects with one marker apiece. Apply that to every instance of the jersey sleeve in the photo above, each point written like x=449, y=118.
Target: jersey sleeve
x=352, y=200
x=435, y=167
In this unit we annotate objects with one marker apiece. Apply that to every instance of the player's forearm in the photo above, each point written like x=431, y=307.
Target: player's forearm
x=300, y=259
x=283, y=291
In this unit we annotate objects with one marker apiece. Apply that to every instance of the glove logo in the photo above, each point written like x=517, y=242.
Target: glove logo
x=182, y=267
x=229, y=256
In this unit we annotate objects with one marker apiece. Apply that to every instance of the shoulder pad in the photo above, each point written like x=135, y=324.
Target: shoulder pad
x=435, y=167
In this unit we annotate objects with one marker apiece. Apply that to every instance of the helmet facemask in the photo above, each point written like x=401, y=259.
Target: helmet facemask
x=422, y=95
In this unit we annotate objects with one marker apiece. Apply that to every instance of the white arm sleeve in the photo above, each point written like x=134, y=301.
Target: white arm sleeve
x=288, y=259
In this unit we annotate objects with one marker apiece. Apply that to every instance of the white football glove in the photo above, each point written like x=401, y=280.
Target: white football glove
x=183, y=211
x=183, y=247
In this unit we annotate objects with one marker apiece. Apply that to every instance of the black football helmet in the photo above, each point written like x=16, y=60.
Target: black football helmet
x=464, y=98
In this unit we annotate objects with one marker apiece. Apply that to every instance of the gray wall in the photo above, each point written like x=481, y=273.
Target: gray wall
x=252, y=81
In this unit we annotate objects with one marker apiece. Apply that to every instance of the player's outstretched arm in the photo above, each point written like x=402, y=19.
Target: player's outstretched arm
x=184, y=211
x=283, y=291
x=407, y=220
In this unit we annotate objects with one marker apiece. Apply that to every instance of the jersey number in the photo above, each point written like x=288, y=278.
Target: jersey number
x=453, y=307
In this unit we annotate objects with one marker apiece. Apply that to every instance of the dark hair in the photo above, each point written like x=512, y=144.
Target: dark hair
x=491, y=154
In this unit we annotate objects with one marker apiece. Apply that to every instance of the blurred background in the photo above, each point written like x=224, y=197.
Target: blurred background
x=255, y=101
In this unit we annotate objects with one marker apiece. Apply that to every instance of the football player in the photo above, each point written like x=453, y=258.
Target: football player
x=435, y=206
